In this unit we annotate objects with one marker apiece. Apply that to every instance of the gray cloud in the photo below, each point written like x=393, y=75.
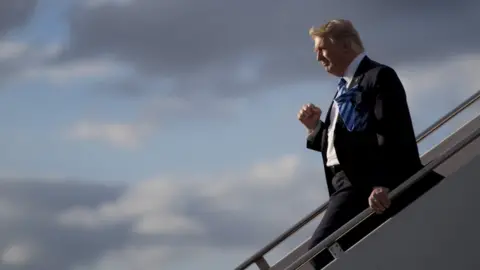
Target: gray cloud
x=65, y=224
x=15, y=13
x=28, y=211
x=230, y=48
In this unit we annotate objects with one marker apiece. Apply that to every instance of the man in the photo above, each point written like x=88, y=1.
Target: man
x=367, y=139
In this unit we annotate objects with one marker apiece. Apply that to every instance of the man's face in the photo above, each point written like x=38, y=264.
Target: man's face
x=331, y=56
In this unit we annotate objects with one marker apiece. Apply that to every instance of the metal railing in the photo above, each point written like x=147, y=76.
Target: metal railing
x=454, y=112
x=259, y=259
x=332, y=239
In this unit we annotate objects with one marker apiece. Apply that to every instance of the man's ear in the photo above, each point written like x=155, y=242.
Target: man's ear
x=346, y=45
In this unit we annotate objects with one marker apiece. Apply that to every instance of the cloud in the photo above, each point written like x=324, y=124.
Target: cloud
x=15, y=14
x=148, y=204
x=21, y=61
x=442, y=84
x=29, y=237
x=73, y=71
x=17, y=57
x=155, y=114
x=17, y=254
x=120, y=135
x=130, y=258
x=457, y=74
x=239, y=48
x=100, y=3
x=10, y=49
x=165, y=221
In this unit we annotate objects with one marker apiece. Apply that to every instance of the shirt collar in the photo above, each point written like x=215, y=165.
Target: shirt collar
x=352, y=68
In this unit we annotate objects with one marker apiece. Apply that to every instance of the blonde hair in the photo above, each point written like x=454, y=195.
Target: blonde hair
x=339, y=30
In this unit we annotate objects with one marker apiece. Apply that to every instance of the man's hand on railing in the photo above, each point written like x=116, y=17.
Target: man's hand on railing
x=379, y=200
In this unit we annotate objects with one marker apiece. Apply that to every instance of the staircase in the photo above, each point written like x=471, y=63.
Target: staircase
x=435, y=231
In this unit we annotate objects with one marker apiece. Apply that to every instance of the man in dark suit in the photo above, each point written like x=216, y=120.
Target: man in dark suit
x=367, y=139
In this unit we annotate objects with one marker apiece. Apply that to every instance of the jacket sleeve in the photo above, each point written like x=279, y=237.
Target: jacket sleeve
x=395, y=134
x=315, y=138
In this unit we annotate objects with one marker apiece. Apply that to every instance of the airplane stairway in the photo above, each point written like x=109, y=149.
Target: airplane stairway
x=434, y=231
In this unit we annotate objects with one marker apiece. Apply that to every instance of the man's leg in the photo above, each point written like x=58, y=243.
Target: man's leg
x=342, y=207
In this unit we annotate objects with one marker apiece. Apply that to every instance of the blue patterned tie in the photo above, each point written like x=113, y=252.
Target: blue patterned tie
x=346, y=109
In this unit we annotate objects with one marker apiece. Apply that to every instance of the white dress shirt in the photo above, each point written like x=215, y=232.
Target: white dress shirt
x=331, y=153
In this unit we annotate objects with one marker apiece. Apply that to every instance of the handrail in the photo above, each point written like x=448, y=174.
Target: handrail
x=454, y=112
x=331, y=239
x=258, y=256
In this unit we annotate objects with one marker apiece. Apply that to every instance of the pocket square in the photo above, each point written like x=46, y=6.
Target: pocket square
x=353, y=114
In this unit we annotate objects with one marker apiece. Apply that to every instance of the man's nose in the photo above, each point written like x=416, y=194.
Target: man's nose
x=319, y=56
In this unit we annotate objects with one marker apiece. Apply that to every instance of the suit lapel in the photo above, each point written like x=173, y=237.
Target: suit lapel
x=328, y=116
x=327, y=125
x=355, y=81
x=360, y=72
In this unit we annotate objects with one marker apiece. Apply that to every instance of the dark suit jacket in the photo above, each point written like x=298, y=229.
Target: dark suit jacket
x=384, y=152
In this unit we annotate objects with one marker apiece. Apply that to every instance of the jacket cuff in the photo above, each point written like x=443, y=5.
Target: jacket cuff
x=313, y=134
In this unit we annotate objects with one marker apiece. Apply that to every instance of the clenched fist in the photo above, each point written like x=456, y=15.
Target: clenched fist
x=309, y=116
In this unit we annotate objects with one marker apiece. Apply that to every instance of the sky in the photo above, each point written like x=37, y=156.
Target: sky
x=161, y=134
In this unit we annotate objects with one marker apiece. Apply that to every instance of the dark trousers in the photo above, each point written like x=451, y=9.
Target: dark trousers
x=347, y=202
x=344, y=204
